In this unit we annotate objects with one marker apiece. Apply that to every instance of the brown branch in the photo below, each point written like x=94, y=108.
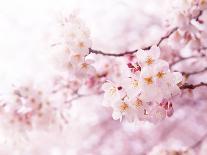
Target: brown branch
x=167, y=36
x=202, y=55
x=191, y=86
x=198, y=16
x=194, y=73
x=134, y=51
x=145, y=48
x=182, y=59
x=198, y=143
x=78, y=96
x=113, y=54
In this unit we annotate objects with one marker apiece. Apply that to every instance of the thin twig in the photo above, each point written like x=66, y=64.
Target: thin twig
x=195, y=72
x=182, y=59
x=198, y=16
x=198, y=143
x=167, y=36
x=113, y=54
x=191, y=86
x=145, y=48
x=78, y=96
x=134, y=51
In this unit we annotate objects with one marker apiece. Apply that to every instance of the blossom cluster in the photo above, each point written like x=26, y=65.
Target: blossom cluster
x=27, y=107
x=76, y=39
x=191, y=30
x=146, y=94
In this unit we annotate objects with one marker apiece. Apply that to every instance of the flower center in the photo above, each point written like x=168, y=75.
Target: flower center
x=203, y=2
x=138, y=103
x=149, y=61
x=148, y=80
x=123, y=107
x=84, y=66
x=112, y=91
x=160, y=75
x=77, y=57
x=135, y=83
x=81, y=45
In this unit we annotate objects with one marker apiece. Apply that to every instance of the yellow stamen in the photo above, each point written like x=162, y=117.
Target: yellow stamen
x=77, y=57
x=135, y=84
x=160, y=75
x=149, y=61
x=81, y=45
x=84, y=65
x=123, y=107
x=203, y=2
x=138, y=103
x=148, y=80
x=112, y=90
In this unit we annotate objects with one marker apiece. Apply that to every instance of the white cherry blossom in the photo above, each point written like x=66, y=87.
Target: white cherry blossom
x=146, y=94
x=112, y=93
x=148, y=57
x=122, y=109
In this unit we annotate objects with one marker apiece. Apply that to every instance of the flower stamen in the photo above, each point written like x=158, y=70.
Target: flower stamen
x=135, y=83
x=84, y=65
x=81, y=45
x=123, y=107
x=138, y=103
x=160, y=75
x=112, y=91
x=149, y=61
x=148, y=80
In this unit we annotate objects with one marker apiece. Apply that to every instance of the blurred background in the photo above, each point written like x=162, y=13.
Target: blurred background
x=27, y=30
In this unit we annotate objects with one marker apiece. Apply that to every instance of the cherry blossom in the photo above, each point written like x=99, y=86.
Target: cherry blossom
x=154, y=84
x=148, y=57
x=28, y=107
x=113, y=92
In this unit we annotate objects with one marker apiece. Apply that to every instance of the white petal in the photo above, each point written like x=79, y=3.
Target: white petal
x=161, y=65
x=116, y=115
x=107, y=85
x=141, y=57
x=155, y=52
x=157, y=114
x=177, y=77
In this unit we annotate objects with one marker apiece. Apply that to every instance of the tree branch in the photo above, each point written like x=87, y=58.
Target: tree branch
x=191, y=86
x=198, y=143
x=78, y=96
x=199, y=14
x=134, y=51
x=145, y=48
x=194, y=73
x=182, y=59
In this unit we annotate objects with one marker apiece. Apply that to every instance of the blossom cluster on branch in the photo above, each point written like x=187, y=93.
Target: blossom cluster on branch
x=146, y=94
